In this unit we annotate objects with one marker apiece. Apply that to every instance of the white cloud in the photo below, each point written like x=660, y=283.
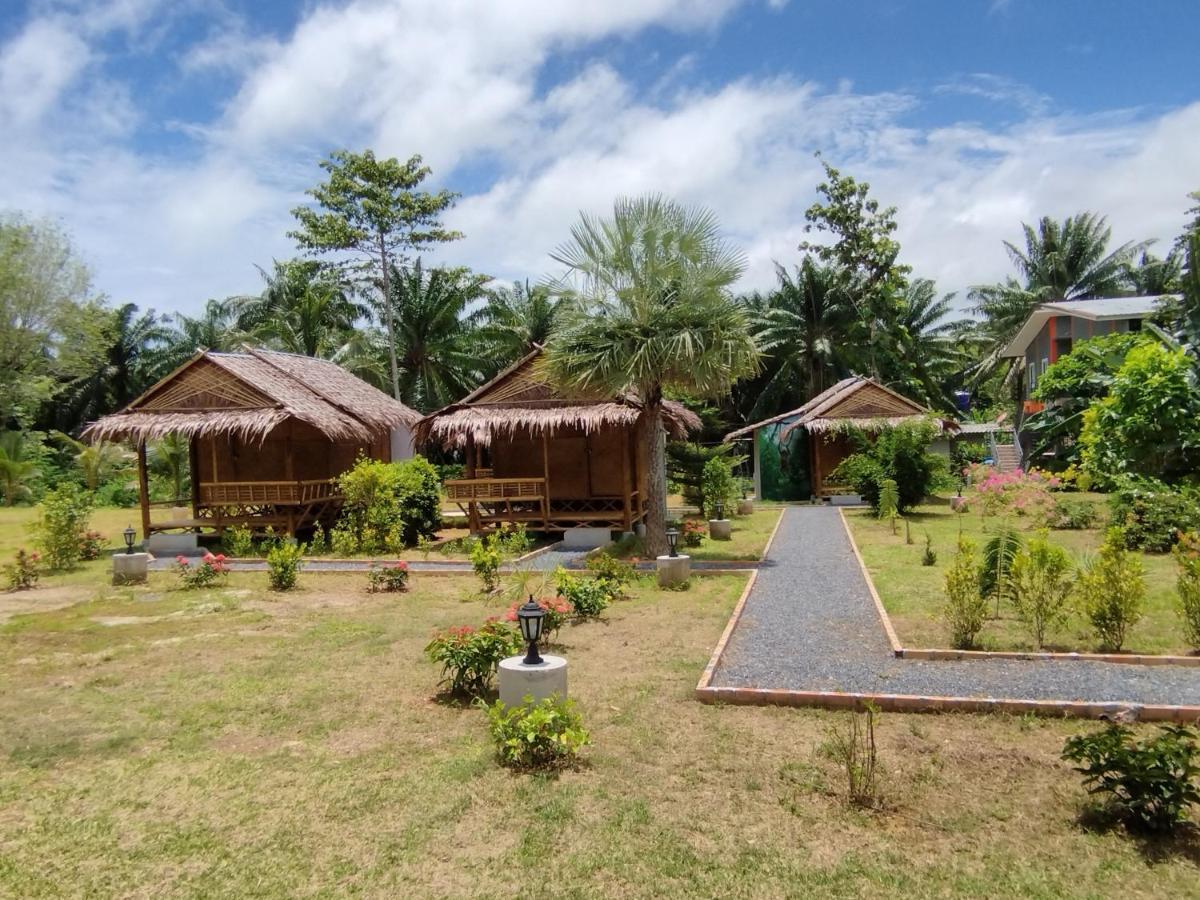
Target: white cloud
x=459, y=83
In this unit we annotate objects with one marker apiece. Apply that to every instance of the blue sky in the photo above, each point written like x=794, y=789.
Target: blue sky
x=171, y=137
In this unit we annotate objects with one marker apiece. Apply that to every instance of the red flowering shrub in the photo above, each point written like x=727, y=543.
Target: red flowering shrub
x=91, y=544
x=24, y=571
x=558, y=611
x=693, y=533
x=388, y=578
x=1022, y=493
x=209, y=571
x=470, y=656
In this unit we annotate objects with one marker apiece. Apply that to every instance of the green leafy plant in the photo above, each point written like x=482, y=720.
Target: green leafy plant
x=995, y=569
x=1112, y=591
x=1147, y=785
x=387, y=506
x=91, y=545
x=899, y=454
x=1187, y=561
x=388, y=578
x=618, y=573
x=718, y=486
x=1072, y=513
x=589, y=597
x=238, y=541
x=210, y=570
x=513, y=540
x=547, y=734
x=852, y=746
x=63, y=524
x=470, y=656
x=558, y=612
x=283, y=564
x=24, y=571
x=929, y=557
x=1041, y=586
x=966, y=609
x=485, y=560
x=692, y=533
x=1152, y=514
x=888, y=504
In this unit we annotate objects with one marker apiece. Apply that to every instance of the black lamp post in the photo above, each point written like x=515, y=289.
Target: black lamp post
x=719, y=509
x=672, y=543
x=130, y=534
x=531, y=618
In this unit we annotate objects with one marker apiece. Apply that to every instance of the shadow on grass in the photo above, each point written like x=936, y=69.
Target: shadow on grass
x=1181, y=844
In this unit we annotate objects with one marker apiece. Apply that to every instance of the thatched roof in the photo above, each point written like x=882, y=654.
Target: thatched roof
x=521, y=400
x=854, y=402
x=248, y=394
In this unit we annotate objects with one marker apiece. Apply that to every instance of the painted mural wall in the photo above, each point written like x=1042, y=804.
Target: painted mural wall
x=784, y=473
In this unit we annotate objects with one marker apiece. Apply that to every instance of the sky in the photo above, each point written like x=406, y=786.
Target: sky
x=171, y=138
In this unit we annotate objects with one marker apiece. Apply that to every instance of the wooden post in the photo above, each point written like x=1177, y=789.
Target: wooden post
x=289, y=471
x=143, y=489
x=194, y=469
x=473, y=522
x=625, y=483
x=215, y=479
x=545, y=481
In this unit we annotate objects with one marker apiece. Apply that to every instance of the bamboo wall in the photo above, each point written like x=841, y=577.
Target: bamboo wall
x=581, y=466
x=313, y=456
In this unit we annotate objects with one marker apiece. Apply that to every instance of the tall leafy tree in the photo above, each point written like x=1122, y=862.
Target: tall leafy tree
x=648, y=310
x=1151, y=276
x=372, y=210
x=436, y=356
x=515, y=320
x=930, y=351
x=304, y=308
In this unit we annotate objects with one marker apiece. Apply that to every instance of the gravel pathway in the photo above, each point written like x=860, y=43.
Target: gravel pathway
x=810, y=624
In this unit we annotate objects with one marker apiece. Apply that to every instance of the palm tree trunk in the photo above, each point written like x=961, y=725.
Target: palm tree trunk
x=652, y=450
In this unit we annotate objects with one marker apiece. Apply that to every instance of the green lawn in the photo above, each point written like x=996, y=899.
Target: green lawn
x=913, y=593
x=749, y=539
x=155, y=742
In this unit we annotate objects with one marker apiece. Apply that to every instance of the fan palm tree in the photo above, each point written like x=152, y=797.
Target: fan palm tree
x=303, y=309
x=648, y=310
x=435, y=347
x=514, y=321
x=17, y=469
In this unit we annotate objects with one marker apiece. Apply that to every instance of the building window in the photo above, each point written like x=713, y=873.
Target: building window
x=1135, y=324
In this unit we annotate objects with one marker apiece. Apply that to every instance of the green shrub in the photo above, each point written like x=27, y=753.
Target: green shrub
x=558, y=612
x=537, y=735
x=853, y=748
x=24, y=571
x=238, y=541
x=1187, y=559
x=1112, y=591
x=1072, y=513
x=1152, y=514
x=966, y=609
x=485, y=560
x=929, y=557
x=209, y=571
x=899, y=453
x=470, y=656
x=589, y=597
x=995, y=570
x=91, y=545
x=618, y=573
x=283, y=564
x=388, y=578
x=513, y=540
x=1147, y=785
x=387, y=506
x=1041, y=586
x=117, y=493
x=888, y=503
x=63, y=524
x=718, y=485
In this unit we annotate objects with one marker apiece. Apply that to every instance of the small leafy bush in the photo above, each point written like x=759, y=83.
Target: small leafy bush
x=513, y=540
x=63, y=525
x=1147, y=785
x=537, y=735
x=853, y=748
x=589, y=597
x=1017, y=492
x=24, y=571
x=1072, y=513
x=283, y=564
x=470, y=656
x=929, y=557
x=966, y=609
x=1152, y=514
x=1112, y=591
x=91, y=545
x=900, y=454
x=692, y=533
x=387, y=506
x=204, y=574
x=486, y=557
x=389, y=578
x=889, y=499
x=558, y=611
x=717, y=484
x=1042, y=581
x=1187, y=561
x=618, y=573
x=238, y=541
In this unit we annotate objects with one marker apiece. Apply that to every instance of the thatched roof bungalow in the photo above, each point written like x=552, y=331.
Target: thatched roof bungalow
x=268, y=434
x=854, y=403
x=539, y=456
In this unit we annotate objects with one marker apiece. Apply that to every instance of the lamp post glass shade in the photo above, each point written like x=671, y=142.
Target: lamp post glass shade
x=719, y=509
x=531, y=617
x=672, y=542
x=130, y=534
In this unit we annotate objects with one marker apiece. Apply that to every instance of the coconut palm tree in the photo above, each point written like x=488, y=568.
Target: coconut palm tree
x=97, y=462
x=17, y=469
x=435, y=349
x=514, y=321
x=929, y=351
x=1153, y=277
x=169, y=457
x=303, y=309
x=648, y=310
x=216, y=328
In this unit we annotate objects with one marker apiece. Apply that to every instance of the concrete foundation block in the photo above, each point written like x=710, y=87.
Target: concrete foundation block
x=518, y=681
x=745, y=507
x=674, y=570
x=130, y=568
x=958, y=503
x=845, y=500
x=167, y=544
x=720, y=529
x=585, y=538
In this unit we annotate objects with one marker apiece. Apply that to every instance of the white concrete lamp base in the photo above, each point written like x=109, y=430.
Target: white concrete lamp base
x=518, y=681
x=745, y=507
x=130, y=568
x=674, y=570
x=720, y=529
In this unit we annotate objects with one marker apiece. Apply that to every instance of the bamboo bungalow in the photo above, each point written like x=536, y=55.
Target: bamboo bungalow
x=537, y=456
x=795, y=452
x=268, y=434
